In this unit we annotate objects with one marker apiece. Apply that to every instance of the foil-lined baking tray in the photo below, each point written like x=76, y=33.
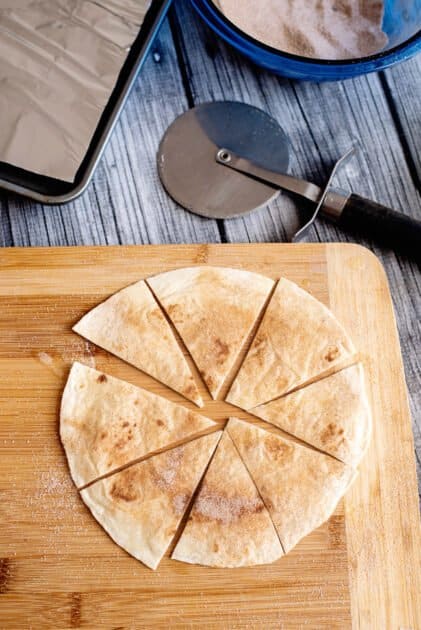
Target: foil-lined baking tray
x=51, y=144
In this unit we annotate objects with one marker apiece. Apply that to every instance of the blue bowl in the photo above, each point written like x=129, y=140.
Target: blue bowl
x=402, y=23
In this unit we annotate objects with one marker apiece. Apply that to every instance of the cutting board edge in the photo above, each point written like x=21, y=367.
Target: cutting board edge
x=383, y=590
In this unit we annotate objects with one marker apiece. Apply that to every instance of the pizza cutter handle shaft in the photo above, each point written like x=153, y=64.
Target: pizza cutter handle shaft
x=399, y=231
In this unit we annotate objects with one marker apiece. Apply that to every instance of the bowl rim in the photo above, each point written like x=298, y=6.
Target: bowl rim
x=384, y=54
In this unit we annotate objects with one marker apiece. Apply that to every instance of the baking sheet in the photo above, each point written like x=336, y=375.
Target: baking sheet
x=59, y=63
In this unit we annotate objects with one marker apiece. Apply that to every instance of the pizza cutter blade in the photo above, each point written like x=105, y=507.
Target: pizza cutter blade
x=190, y=173
x=225, y=159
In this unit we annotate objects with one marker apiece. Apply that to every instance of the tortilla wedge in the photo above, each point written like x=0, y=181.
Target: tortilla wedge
x=213, y=310
x=332, y=414
x=142, y=506
x=300, y=487
x=131, y=325
x=228, y=526
x=297, y=340
x=106, y=423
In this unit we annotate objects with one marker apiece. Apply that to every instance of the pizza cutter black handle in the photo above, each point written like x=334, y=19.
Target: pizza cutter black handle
x=398, y=231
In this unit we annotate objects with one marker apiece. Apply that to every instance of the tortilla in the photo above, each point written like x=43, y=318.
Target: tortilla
x=106, y=423
x=142, y=506
x=322, y=29
x=332, y=414
x=300, y=487
x=229, y=525
x=298, y=339
x=131, y=325
x=213, y=310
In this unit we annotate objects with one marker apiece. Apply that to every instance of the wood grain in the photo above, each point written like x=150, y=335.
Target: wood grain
x=384, y=485
x=58, y=568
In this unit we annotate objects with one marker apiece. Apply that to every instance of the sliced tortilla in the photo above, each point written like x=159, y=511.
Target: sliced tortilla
x=131, y=325
x=297, y=340
x=299, y=486
x=142, y=506
x=229, y=525
x=106, y=423
x=331, y=414
x=213, y=309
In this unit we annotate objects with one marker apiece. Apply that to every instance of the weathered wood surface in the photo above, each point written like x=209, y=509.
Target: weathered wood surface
x=126, y=204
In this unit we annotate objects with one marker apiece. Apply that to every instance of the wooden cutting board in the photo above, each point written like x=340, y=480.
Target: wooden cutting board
x=58, y=568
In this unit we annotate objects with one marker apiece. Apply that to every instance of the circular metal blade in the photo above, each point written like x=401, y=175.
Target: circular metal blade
x=190, y=173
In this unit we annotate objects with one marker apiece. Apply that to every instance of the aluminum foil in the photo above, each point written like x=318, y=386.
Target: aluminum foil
x=59, y=62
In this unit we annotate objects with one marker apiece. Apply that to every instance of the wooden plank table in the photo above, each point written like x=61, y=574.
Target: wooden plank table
x=126, y=204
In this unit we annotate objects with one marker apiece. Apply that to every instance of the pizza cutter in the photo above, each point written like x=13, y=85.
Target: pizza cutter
x=225, y=159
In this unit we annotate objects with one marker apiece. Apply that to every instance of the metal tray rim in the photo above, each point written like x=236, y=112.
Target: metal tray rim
x=78, y=189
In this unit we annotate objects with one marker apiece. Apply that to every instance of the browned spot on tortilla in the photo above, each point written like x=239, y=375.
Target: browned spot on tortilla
x=160, y=422
x=102, y=378
x=209, y=380
x=189, y=390
x=132, y=315
x=125, y=424
x=121, y=443
x=124, y=488
x=191, y=416
x=215, y=547
x=4, y=574
x=156, y=314
x=103, y=435
x=331, y=431
x=278, y=449
x=259, y=347
x=175, y=313
x=269, y=504
x=332, y=353
x=75, y=610
x=221, y=350
x=136, y=402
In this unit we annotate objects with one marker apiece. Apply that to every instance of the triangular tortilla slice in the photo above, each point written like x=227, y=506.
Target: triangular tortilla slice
x=332, y=414
x=213, y=309
x=300, y=487
x=229, y=525
x=142, y=506
x=106, y=423
x=297, y=340
x=131, y=325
